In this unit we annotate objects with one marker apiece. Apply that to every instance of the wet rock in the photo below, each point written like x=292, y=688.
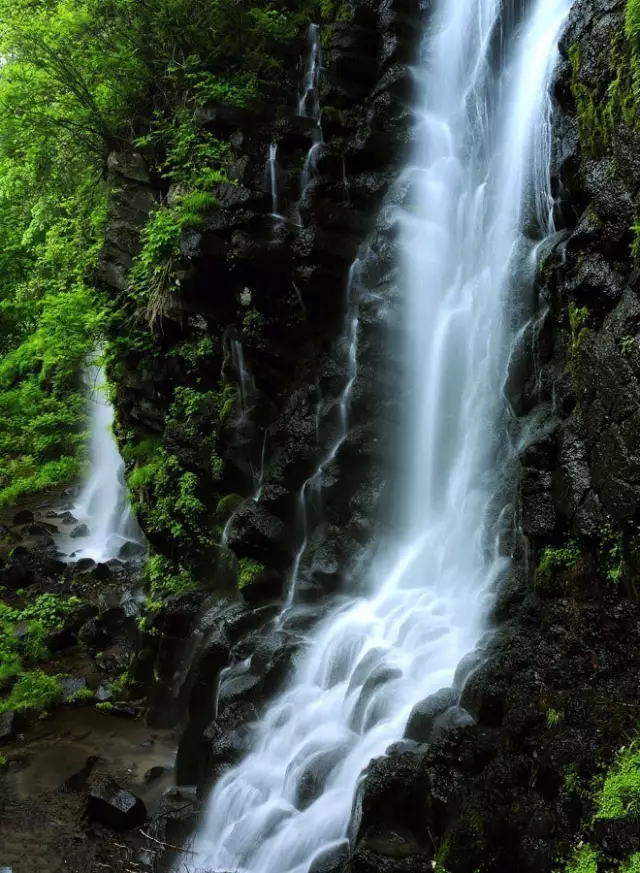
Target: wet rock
x=39, y=529
x=454, y=717
x=9, y=726
x=122, y=710
x=153, y=774
x=111, y=805
x=131, y=550
x=424, y=714
x=92, y=634
x=53, y=566
x=16, y=574
x=25, y=516
x=103, y=692
x=80, y=531
x=84, y=565
x=70, y=687
x=67, y=518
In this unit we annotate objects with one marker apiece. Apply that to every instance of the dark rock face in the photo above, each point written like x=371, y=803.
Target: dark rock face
x=111, y=805
x=9, y=725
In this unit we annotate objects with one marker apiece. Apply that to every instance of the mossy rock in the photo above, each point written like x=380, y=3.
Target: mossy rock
x=227, y=506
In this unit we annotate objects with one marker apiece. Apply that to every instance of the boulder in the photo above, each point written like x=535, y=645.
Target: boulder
x=25, y=516
x=70, y=688
x=80, y=531
x=113, y=806
x=131, y=550
x=16, y=575
x=424, y=714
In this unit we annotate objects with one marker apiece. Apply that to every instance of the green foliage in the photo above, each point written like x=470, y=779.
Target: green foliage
x=164, y=579
x=584, y=860
x=632, y=865
x=578, y=320
x=620, y=793
x=105, y=706
x=554, y=560
x=248, y=570
x=554, y=718
x=46, y=612
x=82, y=695
x=34, y=690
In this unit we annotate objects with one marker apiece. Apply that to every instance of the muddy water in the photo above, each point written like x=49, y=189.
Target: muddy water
x=56, y=751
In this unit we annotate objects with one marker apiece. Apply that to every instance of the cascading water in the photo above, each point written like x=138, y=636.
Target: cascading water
x=478, y=178
x=272, y=180
x=309, y=104
x=103, y=504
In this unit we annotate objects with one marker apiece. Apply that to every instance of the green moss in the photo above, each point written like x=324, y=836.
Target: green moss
x=248, y=570
x=227, y=506
x=620, y=793
x=105, y=706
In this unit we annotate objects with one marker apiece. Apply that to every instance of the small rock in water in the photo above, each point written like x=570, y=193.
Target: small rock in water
x=84, y=565
x=153, y=773
x=81, y=531
x=111, y=805
x=104, y=692
x=68, y=518
x=25, y=516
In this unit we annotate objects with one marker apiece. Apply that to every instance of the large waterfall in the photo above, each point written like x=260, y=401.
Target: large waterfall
x=476, y=203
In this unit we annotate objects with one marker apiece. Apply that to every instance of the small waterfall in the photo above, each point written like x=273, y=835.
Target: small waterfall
x=309, y=103
x=272, y=180
x=478, y=178
x=103, y=504
x=247, y=391
x=310, y=498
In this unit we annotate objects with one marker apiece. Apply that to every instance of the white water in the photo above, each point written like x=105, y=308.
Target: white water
x=103, y=503
x=272, y=179
x=309, y=103
x=479, y=173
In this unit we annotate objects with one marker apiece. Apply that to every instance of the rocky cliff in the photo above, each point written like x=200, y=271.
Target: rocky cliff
x=243, y=391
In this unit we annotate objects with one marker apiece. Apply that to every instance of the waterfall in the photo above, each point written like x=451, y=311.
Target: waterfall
x=103, y=503
x=477, y=203
x=272, y=179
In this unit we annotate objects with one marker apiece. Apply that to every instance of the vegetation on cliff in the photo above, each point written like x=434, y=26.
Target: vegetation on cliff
x=80, y=78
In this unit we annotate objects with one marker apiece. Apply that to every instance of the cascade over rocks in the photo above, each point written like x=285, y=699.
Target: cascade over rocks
x=280, y=294
x=482, y=771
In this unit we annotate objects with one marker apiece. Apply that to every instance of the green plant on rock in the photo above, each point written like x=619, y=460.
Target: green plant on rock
x=248, y=570
x=584, y=860
x=632, y=865
x=105, y=706
x=164, y=578
x=620, y=794
x=555, y=560
x=554, y=718
x=578, y=320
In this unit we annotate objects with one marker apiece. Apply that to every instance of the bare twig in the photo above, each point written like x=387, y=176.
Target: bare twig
x=168, y=845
